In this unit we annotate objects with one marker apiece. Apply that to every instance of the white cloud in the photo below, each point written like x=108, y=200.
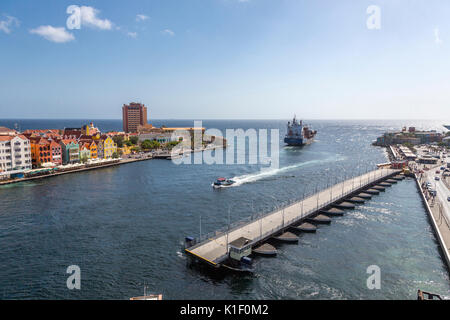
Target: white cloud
x=141, y=17
x=437, y=38
x=168, y=32
x=89, y=19
x=59, y=35
x=132, y=34
x=8, y=24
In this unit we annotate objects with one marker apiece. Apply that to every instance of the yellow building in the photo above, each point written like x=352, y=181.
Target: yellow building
x=109, y=147
x=125, y=149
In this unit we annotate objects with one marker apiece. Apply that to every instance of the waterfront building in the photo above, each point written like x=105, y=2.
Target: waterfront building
x=100, y=149
x=109, y=146
x=85, y=152
x=40, y=151
x=15, y=153
x=407, y=153
x=410, y=136
x=93, y=154
x=156, y=136
x=5, y=153
x=56, y=152
x=4, y=131
x=428, y=136
x=70, y=151
x=166, y=135
x=133, y=115
x=446, y=141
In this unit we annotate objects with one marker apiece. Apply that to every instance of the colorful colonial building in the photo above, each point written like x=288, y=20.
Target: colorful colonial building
x=15, y=153
x=70, y=151
x=109, y=147
x=40, y=151
x=56, y=152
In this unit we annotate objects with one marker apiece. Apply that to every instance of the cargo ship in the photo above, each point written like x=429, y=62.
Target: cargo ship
x=298, y=134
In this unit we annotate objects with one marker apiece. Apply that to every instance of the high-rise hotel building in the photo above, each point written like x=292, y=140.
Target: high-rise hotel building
x=133, y=115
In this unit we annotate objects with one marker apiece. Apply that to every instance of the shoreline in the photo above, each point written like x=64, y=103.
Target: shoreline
x=112, y=163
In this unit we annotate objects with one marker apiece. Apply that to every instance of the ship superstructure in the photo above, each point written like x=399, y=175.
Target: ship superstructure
x=298, y=134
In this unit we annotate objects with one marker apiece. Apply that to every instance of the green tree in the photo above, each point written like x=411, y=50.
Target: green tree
x=134, y=140
x=119, y=141
x=150, y=144
x=172, y=144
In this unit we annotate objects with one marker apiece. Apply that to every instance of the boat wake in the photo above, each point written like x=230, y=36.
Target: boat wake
x=268, y=172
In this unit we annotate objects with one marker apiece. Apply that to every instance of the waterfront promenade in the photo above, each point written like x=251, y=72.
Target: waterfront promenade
x=75, y=170
x=214, y=247
x=438, y=209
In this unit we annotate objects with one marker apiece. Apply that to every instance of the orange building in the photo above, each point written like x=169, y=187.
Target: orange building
x=93, y=150
x=40, y=151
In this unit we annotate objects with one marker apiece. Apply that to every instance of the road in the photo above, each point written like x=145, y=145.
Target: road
x=441, y=190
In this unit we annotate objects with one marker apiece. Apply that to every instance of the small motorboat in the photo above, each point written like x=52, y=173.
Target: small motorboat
x=222, y=182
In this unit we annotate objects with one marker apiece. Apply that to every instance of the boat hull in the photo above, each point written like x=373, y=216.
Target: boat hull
x=295, y=141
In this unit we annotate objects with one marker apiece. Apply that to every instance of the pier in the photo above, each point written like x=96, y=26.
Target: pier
x=213, y=248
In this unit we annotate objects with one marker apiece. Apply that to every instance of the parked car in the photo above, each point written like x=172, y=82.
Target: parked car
x=436, y=178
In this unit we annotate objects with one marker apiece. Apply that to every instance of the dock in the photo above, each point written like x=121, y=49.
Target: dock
x=213, y=248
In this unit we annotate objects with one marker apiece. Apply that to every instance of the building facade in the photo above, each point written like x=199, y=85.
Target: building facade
x=133, y=116
x=109, y=147
x=85, y=152
x=70, y=151
x=15, y=153
x=40, y=151
x=56, y=152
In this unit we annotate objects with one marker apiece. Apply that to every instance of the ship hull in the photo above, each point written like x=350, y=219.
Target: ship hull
x=297, y=142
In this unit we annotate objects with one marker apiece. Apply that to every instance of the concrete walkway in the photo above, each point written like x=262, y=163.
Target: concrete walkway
x=214, y=249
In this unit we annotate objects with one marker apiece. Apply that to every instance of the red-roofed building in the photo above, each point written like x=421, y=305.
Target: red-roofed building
x=56, y=152
x=15, y=154
x=40, y=151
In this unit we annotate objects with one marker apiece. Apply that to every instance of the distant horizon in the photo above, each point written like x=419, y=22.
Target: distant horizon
x=246, y=119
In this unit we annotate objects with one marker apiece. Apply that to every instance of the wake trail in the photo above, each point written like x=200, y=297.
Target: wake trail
x=268, y=172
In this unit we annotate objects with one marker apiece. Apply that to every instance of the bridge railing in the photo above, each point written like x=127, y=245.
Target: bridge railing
x=378, y=174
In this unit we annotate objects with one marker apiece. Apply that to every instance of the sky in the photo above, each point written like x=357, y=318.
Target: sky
x=226, y=59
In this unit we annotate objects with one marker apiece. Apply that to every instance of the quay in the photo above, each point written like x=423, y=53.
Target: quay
x=75, y=170
x=214, y=248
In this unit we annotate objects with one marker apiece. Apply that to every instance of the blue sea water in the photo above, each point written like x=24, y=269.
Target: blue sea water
x=124, y=226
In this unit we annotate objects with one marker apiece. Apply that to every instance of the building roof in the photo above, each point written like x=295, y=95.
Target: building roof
x=6, y=138
x=240, y=242
x=5, y=129
x=68, y=141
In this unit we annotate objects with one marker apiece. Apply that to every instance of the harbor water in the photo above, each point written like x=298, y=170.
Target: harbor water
x=124, y=226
